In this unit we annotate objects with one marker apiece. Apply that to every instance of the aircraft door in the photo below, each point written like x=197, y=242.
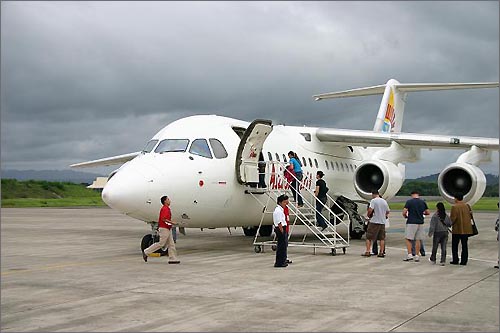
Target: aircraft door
x=249, y=149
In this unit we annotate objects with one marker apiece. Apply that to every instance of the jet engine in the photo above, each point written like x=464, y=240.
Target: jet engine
x=462, y=178
x=386, y=177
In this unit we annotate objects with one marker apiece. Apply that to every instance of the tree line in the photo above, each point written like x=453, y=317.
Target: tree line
x=431, y=189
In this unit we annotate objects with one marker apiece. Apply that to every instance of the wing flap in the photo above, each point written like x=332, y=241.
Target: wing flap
x=119, y=159
x=378, y=139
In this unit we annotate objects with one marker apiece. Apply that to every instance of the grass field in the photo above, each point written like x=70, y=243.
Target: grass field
x=33, y=193
x=63, y=202
x=484, y=204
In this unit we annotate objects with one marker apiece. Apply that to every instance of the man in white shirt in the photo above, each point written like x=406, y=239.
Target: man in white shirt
x=279, y=222
x=378, y=212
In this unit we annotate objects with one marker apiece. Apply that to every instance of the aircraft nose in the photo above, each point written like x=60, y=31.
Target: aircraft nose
x=126, y=191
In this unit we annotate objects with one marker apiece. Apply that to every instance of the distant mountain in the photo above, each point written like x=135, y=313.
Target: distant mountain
x=490, y=179
x=51, y=175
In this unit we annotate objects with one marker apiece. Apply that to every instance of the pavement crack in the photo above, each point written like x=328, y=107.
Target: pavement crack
x=442, y=301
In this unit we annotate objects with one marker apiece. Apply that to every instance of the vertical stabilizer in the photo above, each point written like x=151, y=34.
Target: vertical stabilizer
x=391, y=110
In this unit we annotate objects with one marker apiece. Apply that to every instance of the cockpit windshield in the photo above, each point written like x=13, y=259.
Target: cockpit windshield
x=149, y=146
x=200, y=147
x=172, y=145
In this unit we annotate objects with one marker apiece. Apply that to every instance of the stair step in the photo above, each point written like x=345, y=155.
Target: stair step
x=256, y=191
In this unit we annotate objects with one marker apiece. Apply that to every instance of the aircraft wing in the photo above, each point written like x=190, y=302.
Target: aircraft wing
x=378, y=139
x=119, y=159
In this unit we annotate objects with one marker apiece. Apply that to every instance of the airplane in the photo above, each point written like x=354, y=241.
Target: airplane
x=207, y=163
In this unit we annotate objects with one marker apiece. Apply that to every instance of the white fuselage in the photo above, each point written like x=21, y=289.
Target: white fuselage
x=204, y=191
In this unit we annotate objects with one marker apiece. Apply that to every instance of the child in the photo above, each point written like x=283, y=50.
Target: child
x=440, y=222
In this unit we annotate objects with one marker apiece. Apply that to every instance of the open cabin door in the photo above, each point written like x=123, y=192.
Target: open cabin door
x=247, y=157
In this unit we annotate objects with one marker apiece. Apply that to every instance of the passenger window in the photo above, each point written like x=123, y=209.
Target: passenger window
x=342, y=166
x=172, y=145
x=304, y=162
x=284, y=158
x=200, y=147
x=218, y=148
x=331, y=163
x=327, y=165
x=352, y=169
x=270, y=156
x=337, y=165
x=277, y=157
x=310, y=162
x=316, y=163
x=149, y=146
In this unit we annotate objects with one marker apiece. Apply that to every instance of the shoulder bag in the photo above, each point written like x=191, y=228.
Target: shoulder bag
x=474, y=226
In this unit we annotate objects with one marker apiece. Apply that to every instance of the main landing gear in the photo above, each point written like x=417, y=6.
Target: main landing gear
x=149, y=239
x=265, y=230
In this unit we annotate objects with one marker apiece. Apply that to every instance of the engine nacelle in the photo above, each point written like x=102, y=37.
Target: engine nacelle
x=386, y=177
x=462, y=178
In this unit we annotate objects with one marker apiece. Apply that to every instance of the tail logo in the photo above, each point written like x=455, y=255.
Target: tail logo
x=389, y=118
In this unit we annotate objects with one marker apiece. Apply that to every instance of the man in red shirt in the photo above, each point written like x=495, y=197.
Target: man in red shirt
x=164, y=229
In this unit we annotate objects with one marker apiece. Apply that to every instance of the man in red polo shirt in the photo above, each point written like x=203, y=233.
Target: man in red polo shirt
x=164, y=229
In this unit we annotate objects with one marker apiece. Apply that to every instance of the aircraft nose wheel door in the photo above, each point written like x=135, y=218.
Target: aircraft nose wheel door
x=250, y=147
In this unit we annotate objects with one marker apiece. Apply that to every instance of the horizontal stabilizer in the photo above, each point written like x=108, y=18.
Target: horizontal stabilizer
x=404, y=87
x=377, y=139
x=120, y=159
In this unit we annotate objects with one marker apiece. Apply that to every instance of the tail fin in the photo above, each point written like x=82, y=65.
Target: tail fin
x=391, y=110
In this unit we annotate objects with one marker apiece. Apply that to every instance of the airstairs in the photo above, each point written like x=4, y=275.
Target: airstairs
x=303, y=231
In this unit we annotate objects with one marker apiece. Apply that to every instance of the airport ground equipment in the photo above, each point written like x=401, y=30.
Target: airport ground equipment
x=329, y=238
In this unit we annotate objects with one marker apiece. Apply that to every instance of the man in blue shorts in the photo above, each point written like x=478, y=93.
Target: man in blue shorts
x=414, y=211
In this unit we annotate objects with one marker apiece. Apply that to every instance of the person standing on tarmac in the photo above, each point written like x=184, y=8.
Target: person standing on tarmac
x=164, y=228
x=279, y=221
x=414, y=211
x=378, y=212
x=461, y=216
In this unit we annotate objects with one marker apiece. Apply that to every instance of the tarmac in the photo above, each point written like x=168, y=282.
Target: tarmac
x=81, y=269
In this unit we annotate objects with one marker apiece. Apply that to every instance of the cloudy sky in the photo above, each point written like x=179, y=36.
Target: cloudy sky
x=87, y=80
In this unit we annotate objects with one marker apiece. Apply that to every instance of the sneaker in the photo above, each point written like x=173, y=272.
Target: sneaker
x=416, y=259
x=408, y=258
x=442, y=264
x=381, y=255
x=432, y=261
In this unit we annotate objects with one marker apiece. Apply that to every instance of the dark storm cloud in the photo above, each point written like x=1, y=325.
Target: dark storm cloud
x=77, y=77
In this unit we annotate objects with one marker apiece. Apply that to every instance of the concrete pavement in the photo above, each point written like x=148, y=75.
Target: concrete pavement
x=82, y=270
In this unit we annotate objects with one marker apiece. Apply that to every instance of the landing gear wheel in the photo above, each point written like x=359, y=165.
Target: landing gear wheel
x=250, y=231
x=148, y=240
x=355, y=233
x=334, y=252
x=273, y=247
x=265, y=230
x=257, y=249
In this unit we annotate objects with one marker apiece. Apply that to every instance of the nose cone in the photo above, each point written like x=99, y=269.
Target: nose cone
x=126, y=191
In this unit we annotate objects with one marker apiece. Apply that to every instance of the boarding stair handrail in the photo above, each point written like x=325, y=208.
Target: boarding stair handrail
x=307, y=214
